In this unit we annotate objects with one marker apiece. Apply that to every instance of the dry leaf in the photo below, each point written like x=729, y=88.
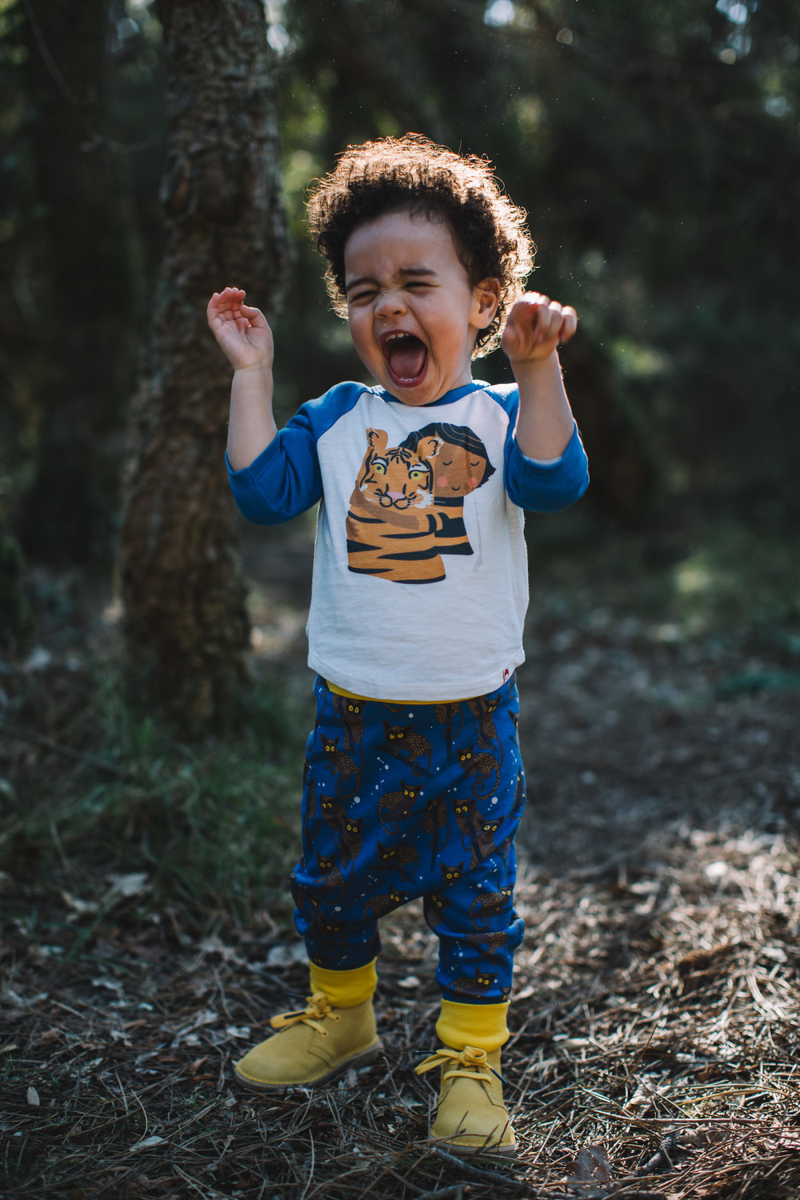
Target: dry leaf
x=33, y=1097
x=123, y=887
x=286, y=956
x=591, y=1166
x=79, y=907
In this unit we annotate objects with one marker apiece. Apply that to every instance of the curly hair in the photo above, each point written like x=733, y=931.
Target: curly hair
x=412, y=173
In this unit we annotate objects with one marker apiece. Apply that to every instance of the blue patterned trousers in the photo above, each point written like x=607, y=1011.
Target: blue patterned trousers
x=402, y=801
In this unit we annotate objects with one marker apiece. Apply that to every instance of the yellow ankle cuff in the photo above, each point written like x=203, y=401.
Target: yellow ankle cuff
x=480, y=1025
x=345, y=989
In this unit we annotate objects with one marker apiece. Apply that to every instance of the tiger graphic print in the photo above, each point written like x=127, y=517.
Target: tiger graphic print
x=406, y=509
x=391, y=525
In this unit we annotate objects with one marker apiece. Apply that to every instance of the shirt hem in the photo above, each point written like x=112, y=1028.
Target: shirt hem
x=390, y=695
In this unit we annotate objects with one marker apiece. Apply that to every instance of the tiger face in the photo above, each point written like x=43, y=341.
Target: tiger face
x=397, y=478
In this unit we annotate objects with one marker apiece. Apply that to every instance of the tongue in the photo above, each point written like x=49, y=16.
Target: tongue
x=406, y=357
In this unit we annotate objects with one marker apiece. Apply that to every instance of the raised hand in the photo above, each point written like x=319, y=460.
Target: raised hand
x=535, y=327
x=242, y=331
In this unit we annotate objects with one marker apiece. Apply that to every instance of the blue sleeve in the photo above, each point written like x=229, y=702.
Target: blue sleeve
x=550, y=488
x=285, y=479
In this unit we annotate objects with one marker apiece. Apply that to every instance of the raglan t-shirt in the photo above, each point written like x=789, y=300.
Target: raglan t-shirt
x=420, y=581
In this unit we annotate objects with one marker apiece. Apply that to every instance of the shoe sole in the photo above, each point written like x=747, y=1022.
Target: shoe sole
x=471, y=1151
x=363, y=1059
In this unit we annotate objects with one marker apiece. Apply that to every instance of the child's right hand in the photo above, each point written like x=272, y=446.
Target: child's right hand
x=242, y=331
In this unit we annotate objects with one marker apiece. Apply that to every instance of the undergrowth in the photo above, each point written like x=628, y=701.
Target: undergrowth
x=696, y=580
x=209, y=828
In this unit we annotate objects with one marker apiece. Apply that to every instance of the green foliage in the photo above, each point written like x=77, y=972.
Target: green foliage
x=656, y=147
x=718, y=583
x=214, y=829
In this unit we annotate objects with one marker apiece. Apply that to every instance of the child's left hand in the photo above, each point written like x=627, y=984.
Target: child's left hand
x=535, y=327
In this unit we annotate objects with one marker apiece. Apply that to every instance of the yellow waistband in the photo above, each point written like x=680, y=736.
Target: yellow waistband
x=354, y=696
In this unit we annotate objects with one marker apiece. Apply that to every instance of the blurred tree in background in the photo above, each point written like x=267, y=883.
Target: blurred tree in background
x=73, y=276
x=80, y=150
x=185, y=619
x=656, y=147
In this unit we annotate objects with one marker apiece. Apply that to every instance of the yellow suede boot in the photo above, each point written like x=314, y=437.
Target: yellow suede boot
x=472, y=1115
x=314, y=1044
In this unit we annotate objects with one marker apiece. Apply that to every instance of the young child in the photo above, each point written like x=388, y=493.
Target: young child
x=413, y=781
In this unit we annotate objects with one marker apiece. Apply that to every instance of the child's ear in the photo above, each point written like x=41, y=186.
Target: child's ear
x=486, y=296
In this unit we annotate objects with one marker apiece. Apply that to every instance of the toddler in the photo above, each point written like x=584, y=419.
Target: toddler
x=413, y=784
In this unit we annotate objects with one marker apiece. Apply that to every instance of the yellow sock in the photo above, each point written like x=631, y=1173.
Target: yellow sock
x=480, y=1025
x=345, y=989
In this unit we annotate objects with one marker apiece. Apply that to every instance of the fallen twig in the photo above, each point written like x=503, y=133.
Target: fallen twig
x=483, y=1175
x=662, y=1156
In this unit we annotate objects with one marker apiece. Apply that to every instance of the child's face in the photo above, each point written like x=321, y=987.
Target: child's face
x=413, y=313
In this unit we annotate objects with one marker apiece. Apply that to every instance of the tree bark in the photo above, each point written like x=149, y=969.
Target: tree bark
x=186, y=625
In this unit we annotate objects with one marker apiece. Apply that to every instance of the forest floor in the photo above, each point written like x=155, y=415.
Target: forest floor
x=655, y=1050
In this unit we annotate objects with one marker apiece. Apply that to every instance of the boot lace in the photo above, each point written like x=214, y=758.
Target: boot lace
x=469, y=1063
x=318, y=1009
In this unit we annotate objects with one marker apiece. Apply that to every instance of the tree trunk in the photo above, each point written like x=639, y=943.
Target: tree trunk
x=80, y=316
x=186, y=625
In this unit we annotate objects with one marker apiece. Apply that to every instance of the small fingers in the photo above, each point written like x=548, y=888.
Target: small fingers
x=536, y=325
x=227, y=298
x=549, y=319
x=569, y=323
x=542, y=316
x=228, y=306
x=535, y=298
x=254, y=316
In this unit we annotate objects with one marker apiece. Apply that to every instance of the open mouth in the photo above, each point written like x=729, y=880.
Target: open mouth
x=406, y=358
